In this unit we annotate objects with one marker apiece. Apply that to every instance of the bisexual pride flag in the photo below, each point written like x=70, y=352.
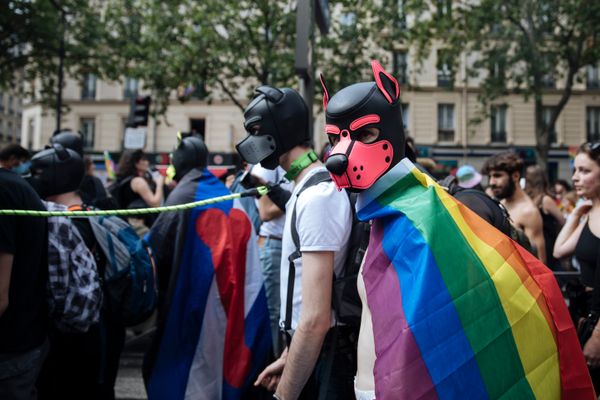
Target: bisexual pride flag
x=216, y=333
x=460, y=311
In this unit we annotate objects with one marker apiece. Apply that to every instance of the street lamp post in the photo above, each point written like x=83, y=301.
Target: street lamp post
x=306, y=12
x=61, y=61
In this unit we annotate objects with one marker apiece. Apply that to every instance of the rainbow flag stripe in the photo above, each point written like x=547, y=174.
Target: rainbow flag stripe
x=458, y=309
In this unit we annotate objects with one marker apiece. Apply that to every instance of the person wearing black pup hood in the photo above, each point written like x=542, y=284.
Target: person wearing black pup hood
x=91, y=189
x=73, y=365
x=277, y=124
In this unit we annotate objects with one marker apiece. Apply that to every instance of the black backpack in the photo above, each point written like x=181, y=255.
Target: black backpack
x=115, y=190
x=488, y=208
x=344, y=297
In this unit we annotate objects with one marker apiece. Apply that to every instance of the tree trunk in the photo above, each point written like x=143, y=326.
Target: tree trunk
x=542, y=135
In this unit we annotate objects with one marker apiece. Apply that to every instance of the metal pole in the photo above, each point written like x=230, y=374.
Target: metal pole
x=61, y=57
x=305, y=17
x=154, y=134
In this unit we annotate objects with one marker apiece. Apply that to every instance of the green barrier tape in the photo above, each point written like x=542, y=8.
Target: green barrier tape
x=259, y=191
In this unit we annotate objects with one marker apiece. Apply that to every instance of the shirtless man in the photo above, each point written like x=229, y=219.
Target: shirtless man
x=504, y=172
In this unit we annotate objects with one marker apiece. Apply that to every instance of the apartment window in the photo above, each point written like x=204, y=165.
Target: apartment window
x=548, y=81
x=445, y=72
x=498, y=120
x=446, y=122
x=197, y=127
x=88, y=129
x=131, y=88
x=1, y=101
x=593, y=77
x=593, y=124
x=546, y=116
x=444, y=8
x=400, y=66
x=9, y=130
x=88, y=87
x=348, y=19
x=405, y=116
x=11, y=109
x=401, y=21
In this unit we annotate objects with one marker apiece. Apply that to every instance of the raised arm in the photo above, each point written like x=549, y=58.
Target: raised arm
x=569, y=234
x=141, y=187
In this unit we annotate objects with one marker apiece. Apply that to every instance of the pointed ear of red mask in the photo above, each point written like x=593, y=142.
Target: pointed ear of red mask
x=325, y=92
x=385, y=82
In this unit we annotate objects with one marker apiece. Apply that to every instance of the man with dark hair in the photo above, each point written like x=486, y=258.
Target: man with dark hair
x=23, y=277
x=314, y=246
x=15, y=158
x=504, y=172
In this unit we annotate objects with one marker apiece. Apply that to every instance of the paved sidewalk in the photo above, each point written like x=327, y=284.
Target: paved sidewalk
x=130, y=385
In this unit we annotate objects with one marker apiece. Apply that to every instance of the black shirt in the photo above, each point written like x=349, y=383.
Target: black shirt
x=586, y=251
x=23, y=325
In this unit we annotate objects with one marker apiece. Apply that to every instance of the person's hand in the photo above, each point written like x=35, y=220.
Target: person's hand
x=159, y=179
x=271, y=375
x=591, y=350
x=582, y=208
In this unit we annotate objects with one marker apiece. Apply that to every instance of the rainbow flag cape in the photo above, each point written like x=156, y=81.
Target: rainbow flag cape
x=216, y=335
x=458, y=309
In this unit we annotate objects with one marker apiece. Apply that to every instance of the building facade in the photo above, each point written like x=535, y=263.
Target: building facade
x=10, y=118
x=437, y=114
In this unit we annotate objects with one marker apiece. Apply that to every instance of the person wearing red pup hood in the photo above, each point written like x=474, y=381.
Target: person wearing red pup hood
x=452, y=308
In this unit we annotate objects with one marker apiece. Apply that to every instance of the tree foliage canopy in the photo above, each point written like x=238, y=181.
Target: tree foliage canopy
x=522, y=46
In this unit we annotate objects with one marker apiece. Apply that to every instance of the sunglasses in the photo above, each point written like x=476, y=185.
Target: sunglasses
x=594, y=148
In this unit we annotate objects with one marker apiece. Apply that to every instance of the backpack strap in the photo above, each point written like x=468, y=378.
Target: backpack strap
x=313, y=180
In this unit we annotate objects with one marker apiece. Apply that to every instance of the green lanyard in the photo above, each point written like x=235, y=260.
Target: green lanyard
x=300, y=163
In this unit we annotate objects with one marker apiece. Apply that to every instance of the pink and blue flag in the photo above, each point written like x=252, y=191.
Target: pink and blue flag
x=215, y=337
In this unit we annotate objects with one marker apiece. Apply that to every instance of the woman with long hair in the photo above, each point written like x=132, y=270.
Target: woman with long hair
x=137, y=181
x=538, y=188
x=581, y=236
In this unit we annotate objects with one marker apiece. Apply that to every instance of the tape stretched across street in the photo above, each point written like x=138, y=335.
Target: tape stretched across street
x=259, y=191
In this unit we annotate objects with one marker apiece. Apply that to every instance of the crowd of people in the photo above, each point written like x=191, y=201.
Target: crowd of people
x=60, y=336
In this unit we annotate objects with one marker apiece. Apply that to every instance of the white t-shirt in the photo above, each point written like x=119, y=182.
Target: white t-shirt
x=323, y=222
x=275, y=226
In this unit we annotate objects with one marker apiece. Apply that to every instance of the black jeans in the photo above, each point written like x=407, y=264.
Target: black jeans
x=19, y=372
x=71, y=369
x=333, y=376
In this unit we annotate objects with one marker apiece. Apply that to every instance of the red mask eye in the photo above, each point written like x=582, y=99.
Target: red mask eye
x=332, y=130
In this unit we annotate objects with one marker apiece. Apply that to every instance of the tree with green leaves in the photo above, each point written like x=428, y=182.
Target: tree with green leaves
x=522, y=44
x=225, y=48
x=31, y=32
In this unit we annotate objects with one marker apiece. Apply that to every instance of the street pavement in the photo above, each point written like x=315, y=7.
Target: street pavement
x=130, y=385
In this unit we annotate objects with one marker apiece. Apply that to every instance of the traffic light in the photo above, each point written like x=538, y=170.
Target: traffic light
x=139, y=110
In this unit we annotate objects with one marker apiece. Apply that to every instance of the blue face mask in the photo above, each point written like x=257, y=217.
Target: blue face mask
x=22, y=168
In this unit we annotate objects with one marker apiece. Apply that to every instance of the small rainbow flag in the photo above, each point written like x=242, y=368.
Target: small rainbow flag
x=458, y=309
x=109, y=165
